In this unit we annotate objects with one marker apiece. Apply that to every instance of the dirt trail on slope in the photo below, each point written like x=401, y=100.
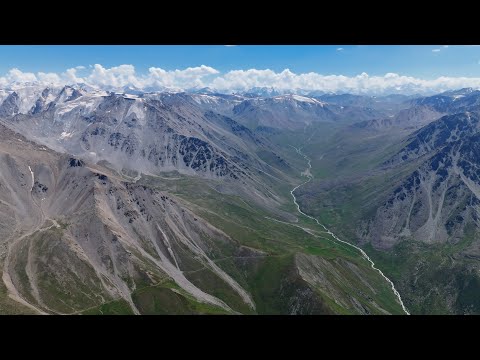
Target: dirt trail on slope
x=12, y=290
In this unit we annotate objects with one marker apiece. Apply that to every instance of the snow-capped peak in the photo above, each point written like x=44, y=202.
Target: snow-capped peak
x=298, y=98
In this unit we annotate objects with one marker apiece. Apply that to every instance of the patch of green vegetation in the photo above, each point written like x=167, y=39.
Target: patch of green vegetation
x=325, y=252
x=9, y=306
x=164, y=298
x=63, y=289
x=434, y=278
x=212, y=284
x=423, y=274
x=468, y=300
x=19, y=260
x=343, y=151
x=274, y=160
x=265, y=283
x=250, y=225
x=355, y=280
x=168, y=299
x=464, y=243
x=115, y=307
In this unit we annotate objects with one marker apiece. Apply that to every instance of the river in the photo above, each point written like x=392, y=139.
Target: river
x=309, y=175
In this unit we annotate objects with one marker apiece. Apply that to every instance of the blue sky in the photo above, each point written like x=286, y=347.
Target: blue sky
x=417, y=61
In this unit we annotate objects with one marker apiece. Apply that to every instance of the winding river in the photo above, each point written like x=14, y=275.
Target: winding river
x=307, y=173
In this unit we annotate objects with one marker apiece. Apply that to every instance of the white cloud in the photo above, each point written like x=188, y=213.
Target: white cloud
x=445, y=46
x=116, y=76
x=238, y=80
x=230, y=45
x=189, y=77
x=50, y=78
x=340, y=49
x=362, y=83
x=15, y=75
x=436, y=50
x=70, y=75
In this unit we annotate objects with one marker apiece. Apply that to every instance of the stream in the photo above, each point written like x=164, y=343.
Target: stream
x=308, y=173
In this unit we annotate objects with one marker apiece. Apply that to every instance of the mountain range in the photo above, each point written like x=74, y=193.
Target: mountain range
x=126, y=201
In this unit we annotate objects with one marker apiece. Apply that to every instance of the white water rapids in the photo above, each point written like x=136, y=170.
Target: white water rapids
x=310, y=177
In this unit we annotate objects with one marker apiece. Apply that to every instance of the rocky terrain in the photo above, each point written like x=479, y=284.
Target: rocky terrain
x=132, y=202
x=159, y=204
x=437, y=200
x=412, y=201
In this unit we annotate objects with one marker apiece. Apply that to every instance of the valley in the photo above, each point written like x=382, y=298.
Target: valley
x=428, y=245
x=308, y=174
x=130, y=202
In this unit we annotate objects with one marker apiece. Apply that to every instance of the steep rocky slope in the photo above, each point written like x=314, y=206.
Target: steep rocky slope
x=440, y=198
x=91, y=235
x=151, y=134
x=414, y=207
x=77, y=236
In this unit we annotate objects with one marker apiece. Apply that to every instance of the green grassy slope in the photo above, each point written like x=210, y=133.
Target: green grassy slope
x=268, y=276
x=348, y=188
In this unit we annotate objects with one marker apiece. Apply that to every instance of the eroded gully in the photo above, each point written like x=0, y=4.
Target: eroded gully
x=308, y=174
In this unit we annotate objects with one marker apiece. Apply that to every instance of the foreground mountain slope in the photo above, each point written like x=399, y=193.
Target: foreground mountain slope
x=80, y=237
x=115, y=236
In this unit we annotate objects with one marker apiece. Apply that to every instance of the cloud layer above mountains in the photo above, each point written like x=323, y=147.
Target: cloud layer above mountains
x=237, y=80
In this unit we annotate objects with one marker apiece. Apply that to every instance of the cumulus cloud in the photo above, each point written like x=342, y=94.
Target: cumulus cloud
x=340, y=49
x=16, y=75
x=116, y=76
x=362, y=83
x=436, y=50
x=70, y=75
x=51, y=78
x=189, y=77
x=156, y=78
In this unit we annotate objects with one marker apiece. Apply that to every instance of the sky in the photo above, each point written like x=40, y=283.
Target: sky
x=358, y=68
